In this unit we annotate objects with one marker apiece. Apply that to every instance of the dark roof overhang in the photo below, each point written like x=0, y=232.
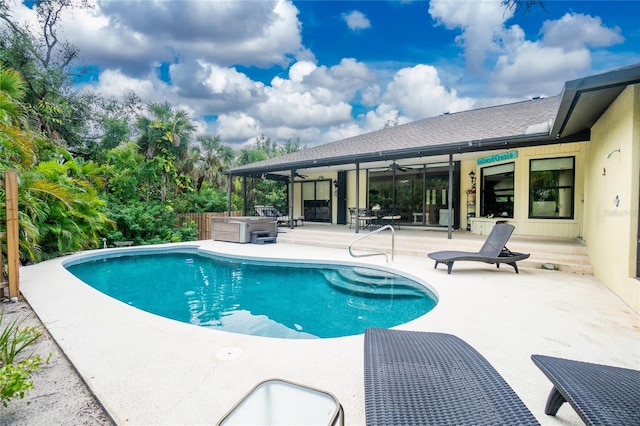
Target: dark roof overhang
x=584, y=100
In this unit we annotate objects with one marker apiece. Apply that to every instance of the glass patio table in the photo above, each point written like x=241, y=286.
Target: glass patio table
x=280, y=402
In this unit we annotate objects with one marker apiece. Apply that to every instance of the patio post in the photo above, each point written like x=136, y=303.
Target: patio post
x=229, y=195
x=244, y=196
x=450, y=197
x=357, y=198
x=293, y=175
x=13, y=237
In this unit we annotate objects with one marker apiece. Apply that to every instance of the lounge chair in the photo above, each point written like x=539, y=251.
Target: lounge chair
x=600, y=394
x=270, y=211
x=494, y=250
x=423, y=378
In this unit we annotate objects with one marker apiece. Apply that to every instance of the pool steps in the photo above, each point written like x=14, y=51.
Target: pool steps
x=262, y=237
x=368, y=282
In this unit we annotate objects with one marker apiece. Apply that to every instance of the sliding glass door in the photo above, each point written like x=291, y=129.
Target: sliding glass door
x=316, y=200
x=419, y=194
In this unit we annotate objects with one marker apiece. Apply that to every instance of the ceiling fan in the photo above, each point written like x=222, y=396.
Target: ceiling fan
x=395, y=166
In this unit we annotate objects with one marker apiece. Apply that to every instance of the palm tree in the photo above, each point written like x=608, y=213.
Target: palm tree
x=212, y=159
x=165, y=139
x=17, y=145
x=59, y=210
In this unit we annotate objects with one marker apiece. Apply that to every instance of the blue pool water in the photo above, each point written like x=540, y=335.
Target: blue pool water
x=292, y=300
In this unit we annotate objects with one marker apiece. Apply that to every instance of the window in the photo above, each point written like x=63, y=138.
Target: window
x=497, y=191
x=551, y=187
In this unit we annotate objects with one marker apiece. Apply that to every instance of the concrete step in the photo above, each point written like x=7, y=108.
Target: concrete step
x=557, y=254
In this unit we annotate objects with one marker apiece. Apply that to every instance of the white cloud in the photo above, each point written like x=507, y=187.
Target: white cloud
x=237, y=127
x=419, y=93
x=576, y=31
x=214, y=88
x=384, y=115
x=539, y=68
x=113, y=83
x=343, y=80
x=371, y=95
x=533, y=69
x=343, y=131
x=291, y=108
x=356, y=20
x=479, y=21
x=514, y=66
x=127, y=34
x=300, y=70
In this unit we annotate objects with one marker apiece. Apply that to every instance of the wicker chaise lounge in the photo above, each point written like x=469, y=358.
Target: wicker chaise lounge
x=421, y=378
x=494, y=250
x=270, y=211
x=600, y=394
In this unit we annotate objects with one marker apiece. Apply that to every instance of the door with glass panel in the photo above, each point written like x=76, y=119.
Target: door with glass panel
x=316, y=201
x=395, y=191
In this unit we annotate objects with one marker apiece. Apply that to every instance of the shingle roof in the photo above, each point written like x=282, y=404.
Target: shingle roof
x=467, y=130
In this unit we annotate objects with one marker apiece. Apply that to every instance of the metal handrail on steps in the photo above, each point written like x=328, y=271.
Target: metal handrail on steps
x=377, y=231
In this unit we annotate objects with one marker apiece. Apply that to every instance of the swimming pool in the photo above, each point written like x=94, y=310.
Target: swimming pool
x=294, y=300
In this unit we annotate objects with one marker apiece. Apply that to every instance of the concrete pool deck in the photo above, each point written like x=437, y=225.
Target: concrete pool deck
x=147, y=370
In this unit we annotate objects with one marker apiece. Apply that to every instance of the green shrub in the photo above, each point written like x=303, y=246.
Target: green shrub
x=15, y=372
x=148, y=223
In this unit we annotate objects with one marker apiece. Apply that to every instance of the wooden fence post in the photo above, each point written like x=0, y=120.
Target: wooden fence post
x=13, y=257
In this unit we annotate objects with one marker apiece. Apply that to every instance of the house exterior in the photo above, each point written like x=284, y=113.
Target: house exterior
x=566, y=166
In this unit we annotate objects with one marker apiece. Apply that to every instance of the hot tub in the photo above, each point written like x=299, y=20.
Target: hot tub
x=239, y=229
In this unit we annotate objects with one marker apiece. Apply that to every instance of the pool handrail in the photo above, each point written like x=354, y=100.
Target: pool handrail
x=377, y=231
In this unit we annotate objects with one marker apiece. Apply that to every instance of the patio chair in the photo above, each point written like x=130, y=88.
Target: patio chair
x=391, y=219
x=364, y=218
x=494, y=250
x=424, y=378
x=600, y=394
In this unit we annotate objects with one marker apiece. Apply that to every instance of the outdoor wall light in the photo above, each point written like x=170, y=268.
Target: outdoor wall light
x=611, y=153
x=472, y=175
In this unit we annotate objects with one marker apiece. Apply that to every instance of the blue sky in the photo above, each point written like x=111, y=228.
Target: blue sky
x=325, y=70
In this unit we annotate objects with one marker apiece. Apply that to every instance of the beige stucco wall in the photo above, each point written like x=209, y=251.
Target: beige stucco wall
x=564, y=228
x=351, y=189
x=611, y=231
